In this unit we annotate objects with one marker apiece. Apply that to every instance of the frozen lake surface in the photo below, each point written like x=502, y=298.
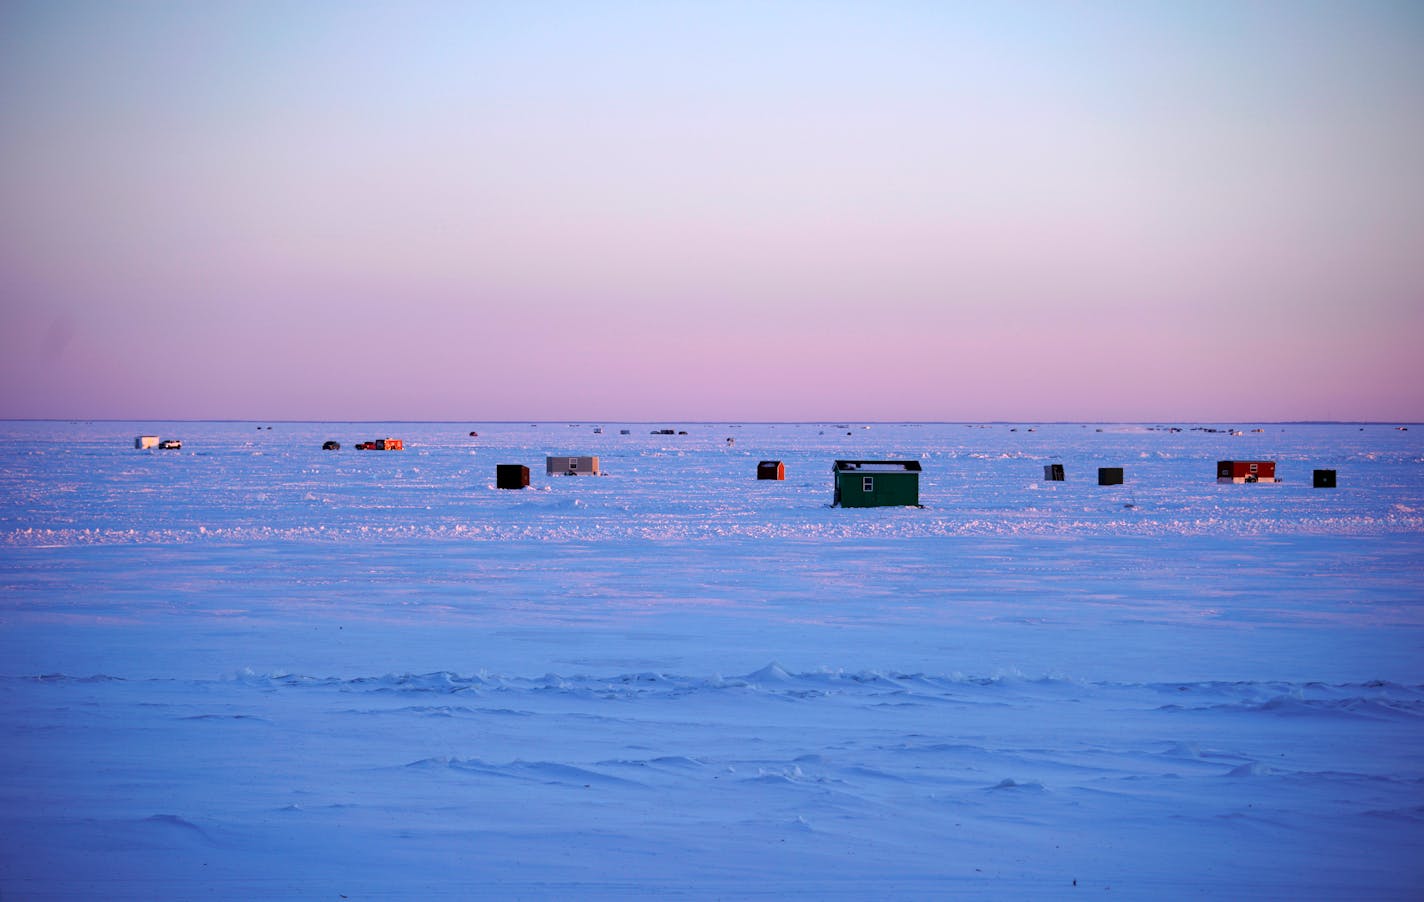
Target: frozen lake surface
x=250, y=668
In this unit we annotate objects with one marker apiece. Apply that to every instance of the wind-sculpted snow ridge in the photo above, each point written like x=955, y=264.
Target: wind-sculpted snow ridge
x=815, y=783
x=613, y=530
x=1367, y=699
x=773, y=679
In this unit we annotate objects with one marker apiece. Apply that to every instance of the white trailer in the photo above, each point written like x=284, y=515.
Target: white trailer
x=571, y=466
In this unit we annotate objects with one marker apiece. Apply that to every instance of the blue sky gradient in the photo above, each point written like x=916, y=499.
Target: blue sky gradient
x=712, y=211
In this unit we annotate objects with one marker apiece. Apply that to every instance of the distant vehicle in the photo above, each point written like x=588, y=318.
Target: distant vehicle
x=171, y=444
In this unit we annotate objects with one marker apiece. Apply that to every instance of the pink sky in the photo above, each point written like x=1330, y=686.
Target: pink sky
x=712, y=211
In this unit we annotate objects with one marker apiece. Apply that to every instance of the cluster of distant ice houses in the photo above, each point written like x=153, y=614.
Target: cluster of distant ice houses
x=856, y=483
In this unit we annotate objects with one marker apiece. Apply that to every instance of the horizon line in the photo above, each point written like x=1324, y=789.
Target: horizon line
x=818, y=422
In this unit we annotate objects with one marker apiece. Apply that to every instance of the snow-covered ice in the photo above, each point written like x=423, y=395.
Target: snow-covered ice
x=250, y=668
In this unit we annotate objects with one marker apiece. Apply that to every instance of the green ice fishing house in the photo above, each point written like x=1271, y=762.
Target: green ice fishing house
x=876, y=483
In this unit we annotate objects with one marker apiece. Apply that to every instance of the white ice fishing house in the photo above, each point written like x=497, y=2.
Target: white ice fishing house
x=571, y=466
